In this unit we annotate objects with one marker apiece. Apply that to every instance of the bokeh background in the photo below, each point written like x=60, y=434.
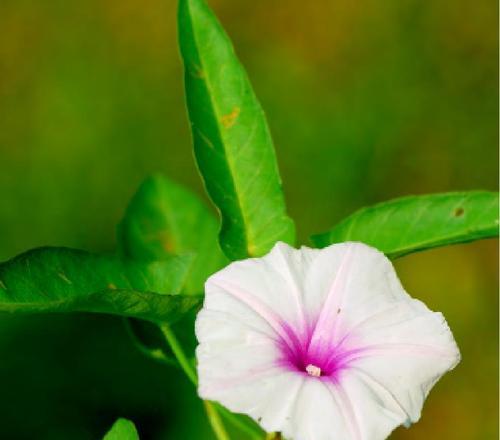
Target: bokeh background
x=366, y=101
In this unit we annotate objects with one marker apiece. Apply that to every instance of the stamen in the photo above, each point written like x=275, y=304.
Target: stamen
x=313, y=370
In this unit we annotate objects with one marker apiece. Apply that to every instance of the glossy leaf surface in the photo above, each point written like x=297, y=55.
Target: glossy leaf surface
x=410, y=224
x=232, y=143
x=67, y=280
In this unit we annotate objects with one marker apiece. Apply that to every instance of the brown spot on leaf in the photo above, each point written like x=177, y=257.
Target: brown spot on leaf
x=459, y=212
x=229, y=119
x=111, y=286
x=167, y=243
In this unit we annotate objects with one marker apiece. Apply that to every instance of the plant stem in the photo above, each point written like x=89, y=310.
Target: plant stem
x=254, y=433
x=213, y=410
x=179, y=353
x=157, y=354
x=187, y=367
x=215, y=421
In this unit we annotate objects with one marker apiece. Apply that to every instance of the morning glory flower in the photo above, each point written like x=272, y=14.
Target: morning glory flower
x=320, y=344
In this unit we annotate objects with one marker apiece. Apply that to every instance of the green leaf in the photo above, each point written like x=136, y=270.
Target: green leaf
x=165, y=219
x=67, y=280
x=232, y=143
x=122, y=429
x=415, y=223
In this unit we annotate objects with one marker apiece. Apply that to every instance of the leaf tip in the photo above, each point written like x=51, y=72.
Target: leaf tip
x=122, y=429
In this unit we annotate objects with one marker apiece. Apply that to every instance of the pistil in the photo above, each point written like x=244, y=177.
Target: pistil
x=313, y=370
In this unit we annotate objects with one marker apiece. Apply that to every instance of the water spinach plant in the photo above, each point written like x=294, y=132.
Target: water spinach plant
x=169, y=243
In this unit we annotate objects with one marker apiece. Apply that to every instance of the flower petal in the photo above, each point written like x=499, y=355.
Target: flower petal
x=231, y=353
x=398, y=343
x=376, y=410
x=269, y=287
x=345, y=284
x=406, y=351
x=268, y=399
x=321, y=412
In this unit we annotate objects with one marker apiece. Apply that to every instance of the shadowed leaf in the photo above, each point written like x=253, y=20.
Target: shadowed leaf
x=165, y=219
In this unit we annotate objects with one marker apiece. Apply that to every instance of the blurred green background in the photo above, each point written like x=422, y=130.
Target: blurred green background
x=366, y=101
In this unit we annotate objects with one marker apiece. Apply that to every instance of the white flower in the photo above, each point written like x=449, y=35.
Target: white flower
x=320, y=344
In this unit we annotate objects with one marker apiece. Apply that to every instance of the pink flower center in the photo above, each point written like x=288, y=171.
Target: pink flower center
x=315, y=357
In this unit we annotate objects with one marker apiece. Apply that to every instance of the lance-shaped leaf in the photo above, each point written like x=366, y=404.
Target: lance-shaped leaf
x=165, y=219
x=232, y=143
x=415, y=223
x=122, y=429
x=67, y=280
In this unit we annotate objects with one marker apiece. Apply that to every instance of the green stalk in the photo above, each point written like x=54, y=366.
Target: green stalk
x=179, y=353
x=214, y=411
x=237, y=423
x=156, y=354
x=212, y=414
x=215, y=421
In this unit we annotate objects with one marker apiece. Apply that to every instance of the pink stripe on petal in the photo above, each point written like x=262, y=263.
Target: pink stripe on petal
x=296, y=294
x=323, y=332
x=275, y=321
x=226, y=383
x=346, y=408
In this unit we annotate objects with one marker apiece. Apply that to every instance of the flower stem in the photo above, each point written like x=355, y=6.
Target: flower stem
x=179, y=353
x=212, y=414
x=215, y=421
x=253, y=433
x=213, y=410
x=154, y=353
